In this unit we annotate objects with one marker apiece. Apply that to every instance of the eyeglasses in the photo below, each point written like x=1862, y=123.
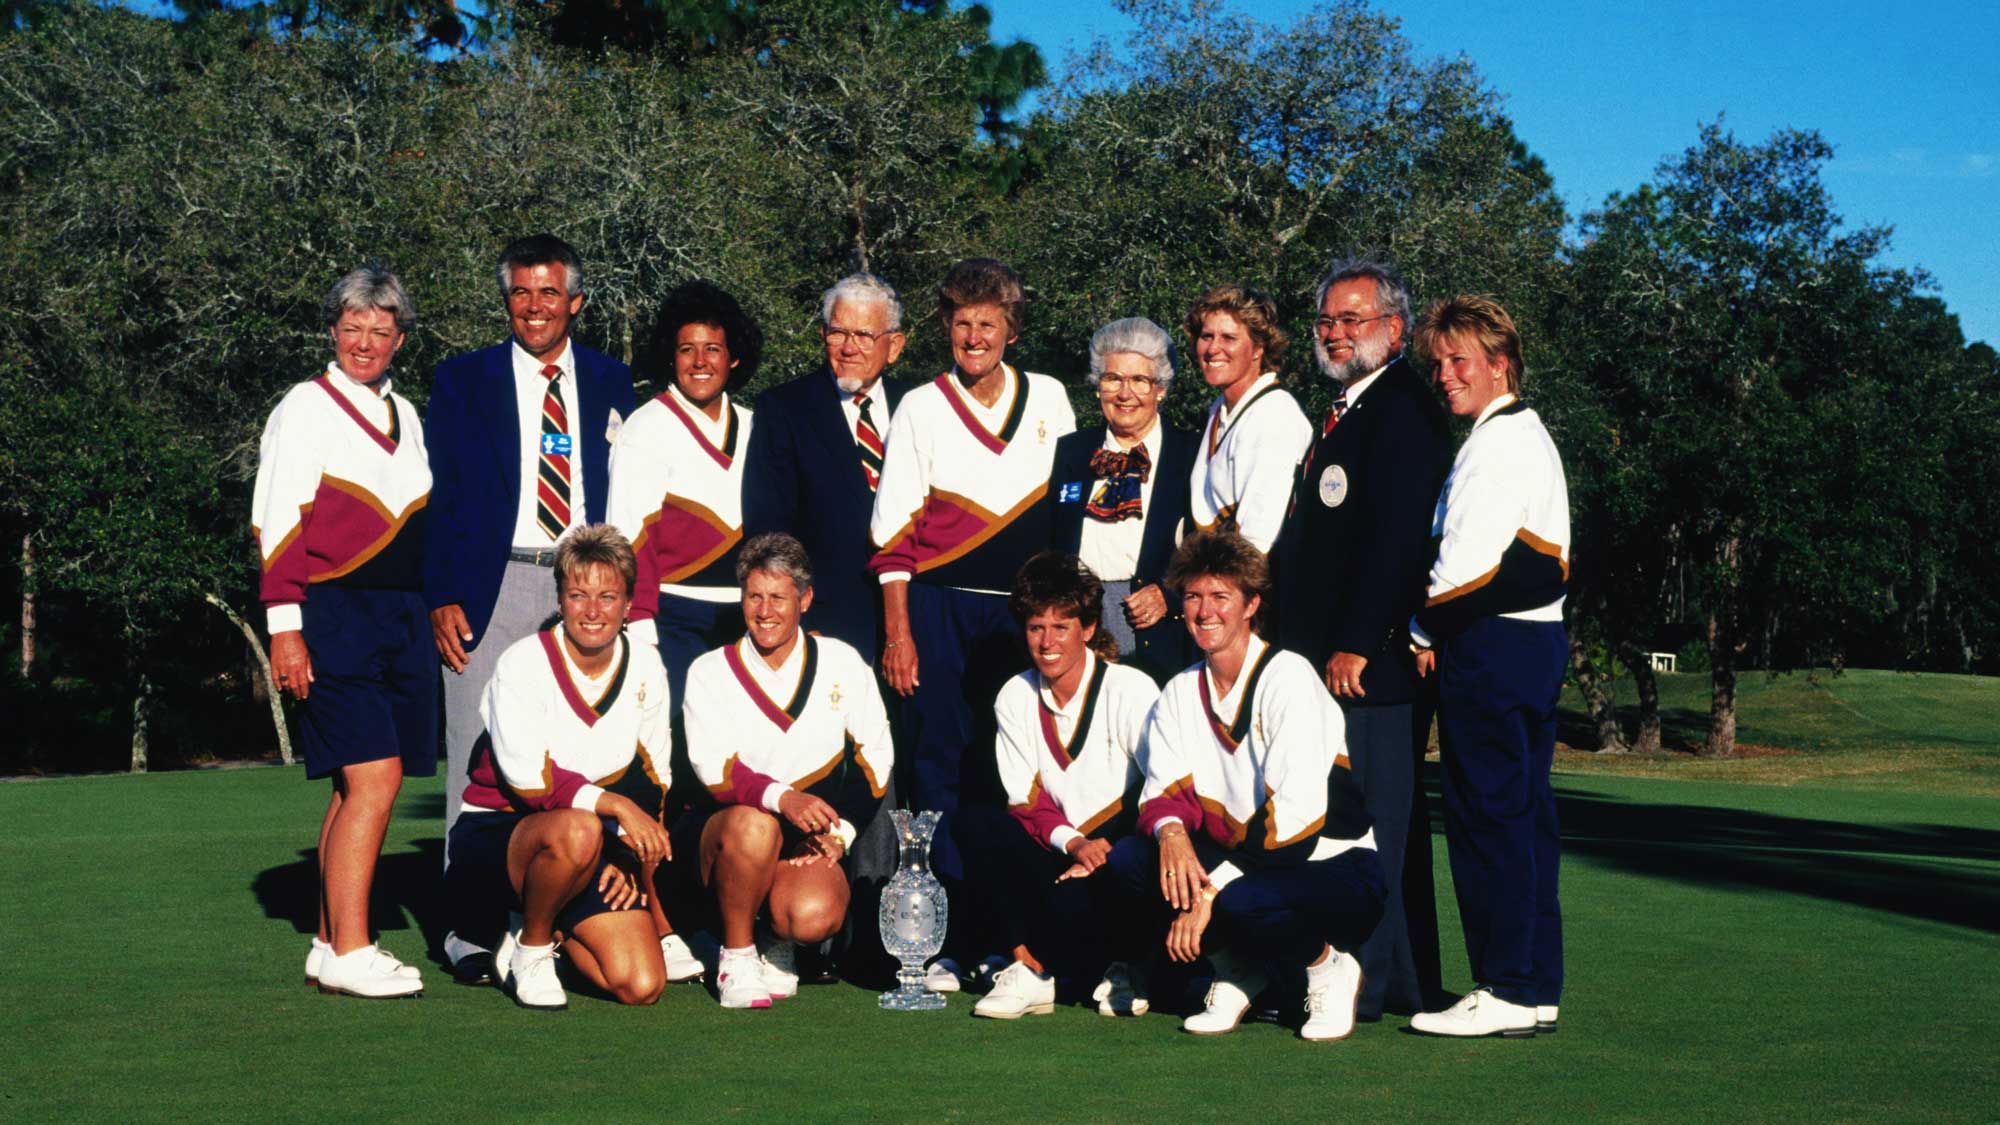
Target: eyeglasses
x=1140, y=384
x=862, y=338
x=1346, y=322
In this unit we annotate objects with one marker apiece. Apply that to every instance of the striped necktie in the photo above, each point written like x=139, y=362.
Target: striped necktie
x=552, y=486
x=869, y=443
x=1335, y=412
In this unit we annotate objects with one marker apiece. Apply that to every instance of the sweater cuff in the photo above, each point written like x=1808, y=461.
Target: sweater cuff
x=773, y=793
x=1223, y=874
x=889, y=576
x=586, y=798
x=287, y=618
x=1060, y=836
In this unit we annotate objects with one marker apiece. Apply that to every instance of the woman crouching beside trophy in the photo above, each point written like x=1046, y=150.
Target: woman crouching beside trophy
x=789, y=734
x=1253, y=847
x=1070, y=756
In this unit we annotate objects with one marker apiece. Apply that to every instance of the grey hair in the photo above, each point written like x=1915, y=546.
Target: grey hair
x=1391, y=295
x=541, y=250
x=369, y=286
x=1134, y=335
x=862, y=289
x=776, y=553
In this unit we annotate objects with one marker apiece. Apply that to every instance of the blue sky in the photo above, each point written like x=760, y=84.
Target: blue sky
x=1603, y=91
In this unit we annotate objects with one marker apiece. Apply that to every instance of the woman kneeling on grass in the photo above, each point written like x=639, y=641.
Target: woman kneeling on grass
x=1253, y=845
x=1071, y=759
x=561, y=816
x=788, y=732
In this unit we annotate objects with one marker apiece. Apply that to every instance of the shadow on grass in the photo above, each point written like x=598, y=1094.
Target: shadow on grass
x=409, y=888
x=1901, y=869
x=1682, y=729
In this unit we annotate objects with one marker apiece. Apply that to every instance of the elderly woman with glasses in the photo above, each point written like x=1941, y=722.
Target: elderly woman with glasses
x=1121, y=493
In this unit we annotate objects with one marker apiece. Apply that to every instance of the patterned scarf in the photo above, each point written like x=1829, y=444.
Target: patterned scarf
x=1122, y=474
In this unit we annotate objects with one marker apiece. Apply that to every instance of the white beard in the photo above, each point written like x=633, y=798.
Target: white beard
x=849, y=386
x=1369, y=355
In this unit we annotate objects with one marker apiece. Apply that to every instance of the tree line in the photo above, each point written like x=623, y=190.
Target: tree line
x=1777, y=445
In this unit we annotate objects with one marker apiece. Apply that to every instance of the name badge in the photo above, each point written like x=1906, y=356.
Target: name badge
x=556, y=445
x=1070, y=493
x=1333, y=486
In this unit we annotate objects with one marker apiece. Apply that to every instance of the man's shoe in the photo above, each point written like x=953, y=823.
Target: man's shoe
x=1333, y=991
x=942, y=976
x=1479, y=1013
x=473, y=969
x=531, y=978
x=1545, y=1019
x=779, y=963
x=370, y=973
x=739, y=981
x=1018, y=991
x=682, y=964
x=1122, y=992
x=1228, y=998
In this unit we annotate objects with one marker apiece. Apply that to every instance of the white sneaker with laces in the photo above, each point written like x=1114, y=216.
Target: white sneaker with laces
x=320, y=951
x=779, y=962
x=1228, y=999
x=682, y=964
x=1122, y=992
x=1478, y=1013
x=1017, y=991
x=1545, y=1019
x=739, y=981
x=1333, y=992
x=368, y=972
x=942, y=976
x=532, y=980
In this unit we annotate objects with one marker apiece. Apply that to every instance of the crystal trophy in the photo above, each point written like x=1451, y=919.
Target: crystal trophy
x=913, y=913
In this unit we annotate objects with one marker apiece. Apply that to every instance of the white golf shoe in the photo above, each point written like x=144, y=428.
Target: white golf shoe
x=942, y=976
x=368, y=972
x=317, y=954
x=779, y=963
x=682, y=964
x=1333, y=991
x=1478, y=1013
x=739, y=981
x=1017, y=991
x=1122, y=992
x=1228, y=999
x=532, y=980
x=1545, y=1019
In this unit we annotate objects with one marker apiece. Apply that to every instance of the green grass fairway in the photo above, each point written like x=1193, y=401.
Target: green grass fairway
x=1735, y=952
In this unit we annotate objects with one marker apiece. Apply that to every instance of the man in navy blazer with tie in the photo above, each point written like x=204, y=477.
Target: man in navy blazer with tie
x=816, y=455
x=1350, y=566
x=520, y=440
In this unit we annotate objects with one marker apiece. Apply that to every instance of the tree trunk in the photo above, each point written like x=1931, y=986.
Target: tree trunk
x=27, y=607
x=1722, y=650
x=1603, y=706
x=1646, y=685
x=141, y=707
x=270, y=692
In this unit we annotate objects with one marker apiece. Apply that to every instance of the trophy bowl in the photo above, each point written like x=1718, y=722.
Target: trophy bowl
x=913, y=913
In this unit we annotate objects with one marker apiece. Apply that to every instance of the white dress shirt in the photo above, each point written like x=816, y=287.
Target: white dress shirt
x=530, y=387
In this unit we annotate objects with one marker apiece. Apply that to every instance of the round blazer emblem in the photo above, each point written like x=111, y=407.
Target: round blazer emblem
x=1333, y=486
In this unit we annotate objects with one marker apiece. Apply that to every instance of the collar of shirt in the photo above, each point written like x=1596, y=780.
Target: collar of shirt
x=1504, y=399
x=781, y=682
x=1361, y=385
x=1151, y=441
x=1069, y=712
x=873, y=394
x=712, y=428
x=527, y=366
x=1268, y=378
x=1228, y=705
x=994, y=416
x=576, y=673
x=373, y=402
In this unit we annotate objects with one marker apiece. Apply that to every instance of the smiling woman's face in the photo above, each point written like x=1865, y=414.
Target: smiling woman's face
x=702, y=363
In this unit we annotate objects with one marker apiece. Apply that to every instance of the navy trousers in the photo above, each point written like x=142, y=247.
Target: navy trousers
x=967, y=648
x=1378, y=748
x=1278, y=916
x=1011, y=896
x=688, y=627
x=1498, y=683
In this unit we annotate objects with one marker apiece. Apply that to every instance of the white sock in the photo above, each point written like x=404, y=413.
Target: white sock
x=525, y=952
x=744, y=951
x=1319, y=972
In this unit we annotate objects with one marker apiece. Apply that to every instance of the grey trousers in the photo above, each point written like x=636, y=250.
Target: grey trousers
x=527, y=599
x=1114, y=621
x=1379, y=752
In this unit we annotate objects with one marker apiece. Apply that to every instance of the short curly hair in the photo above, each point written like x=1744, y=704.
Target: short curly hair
x=1252, y=308
x=701, y=302
x=1223, y=554
x=1053, y=582
x=984, y=281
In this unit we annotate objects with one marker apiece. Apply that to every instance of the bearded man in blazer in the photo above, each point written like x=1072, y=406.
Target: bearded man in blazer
x=1350, y=566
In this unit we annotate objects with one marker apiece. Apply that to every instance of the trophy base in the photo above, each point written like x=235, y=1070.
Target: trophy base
x=920, y=999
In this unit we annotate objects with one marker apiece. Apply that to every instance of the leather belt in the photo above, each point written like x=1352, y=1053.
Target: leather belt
x=545, y=556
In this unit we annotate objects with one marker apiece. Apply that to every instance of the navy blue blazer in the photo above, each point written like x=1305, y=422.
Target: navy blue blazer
x=473, y=431
x=1354, y=553
x=1163, y=649
x=804, y=477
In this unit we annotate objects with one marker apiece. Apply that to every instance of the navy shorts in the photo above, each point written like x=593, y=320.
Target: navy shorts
x=478, y=848
x=374, y=687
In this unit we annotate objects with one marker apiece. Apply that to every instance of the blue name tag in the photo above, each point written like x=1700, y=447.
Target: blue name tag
x=556, y=444
x=1070, y=493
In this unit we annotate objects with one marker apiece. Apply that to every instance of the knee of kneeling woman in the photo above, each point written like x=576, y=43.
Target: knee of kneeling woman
x=809, y=920
x=578, y=837
x=641, y=987
x=751, y=830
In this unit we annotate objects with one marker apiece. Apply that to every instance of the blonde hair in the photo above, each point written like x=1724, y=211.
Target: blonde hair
x=1253, y=308
x=597, y=544
x=1478, y=319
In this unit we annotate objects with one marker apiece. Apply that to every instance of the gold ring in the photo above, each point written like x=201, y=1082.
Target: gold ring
x=1170, y=872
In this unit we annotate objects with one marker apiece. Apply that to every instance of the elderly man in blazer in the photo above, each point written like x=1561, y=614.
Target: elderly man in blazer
x=1350, y=566
x=520, y=439
x=1121, y=494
